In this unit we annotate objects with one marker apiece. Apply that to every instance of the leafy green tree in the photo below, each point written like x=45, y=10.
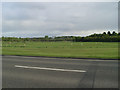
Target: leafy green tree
x=114, y=33
x=109, y=33
x=46, y=36
x=119, y=33
x=104, y=33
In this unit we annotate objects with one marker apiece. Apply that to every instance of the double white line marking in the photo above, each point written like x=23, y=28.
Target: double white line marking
x=53, y=69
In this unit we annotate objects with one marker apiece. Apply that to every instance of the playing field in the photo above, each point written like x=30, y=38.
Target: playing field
x=104, y=50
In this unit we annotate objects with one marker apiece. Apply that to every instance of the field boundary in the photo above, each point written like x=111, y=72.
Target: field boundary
x=63, y=57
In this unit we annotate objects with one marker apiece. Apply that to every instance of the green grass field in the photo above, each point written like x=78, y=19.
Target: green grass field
x=103, y=50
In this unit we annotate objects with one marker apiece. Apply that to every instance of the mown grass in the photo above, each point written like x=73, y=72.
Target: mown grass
x=103, y=50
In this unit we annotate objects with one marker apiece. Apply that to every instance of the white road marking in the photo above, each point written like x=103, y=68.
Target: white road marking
x=53, y=69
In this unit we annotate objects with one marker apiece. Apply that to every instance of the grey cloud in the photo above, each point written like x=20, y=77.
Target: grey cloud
x=39, y=19
x=22, y=11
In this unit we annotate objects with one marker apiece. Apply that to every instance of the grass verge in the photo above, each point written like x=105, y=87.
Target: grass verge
x=101, y=50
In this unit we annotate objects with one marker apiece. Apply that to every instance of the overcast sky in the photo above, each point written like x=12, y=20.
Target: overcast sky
x=29, y=19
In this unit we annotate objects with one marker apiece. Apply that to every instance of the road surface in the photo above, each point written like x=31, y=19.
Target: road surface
x=43, y=72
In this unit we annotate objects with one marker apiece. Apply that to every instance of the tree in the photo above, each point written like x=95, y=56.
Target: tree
x=46, y=36
x=109, y=33
x=114, y=33
x=104, y=33
x=119, y=33
x=77, y=39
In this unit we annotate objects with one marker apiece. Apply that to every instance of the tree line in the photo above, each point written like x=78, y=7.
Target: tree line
x=104, y=37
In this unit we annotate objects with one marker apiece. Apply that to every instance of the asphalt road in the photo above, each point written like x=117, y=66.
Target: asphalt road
x=40, y=72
